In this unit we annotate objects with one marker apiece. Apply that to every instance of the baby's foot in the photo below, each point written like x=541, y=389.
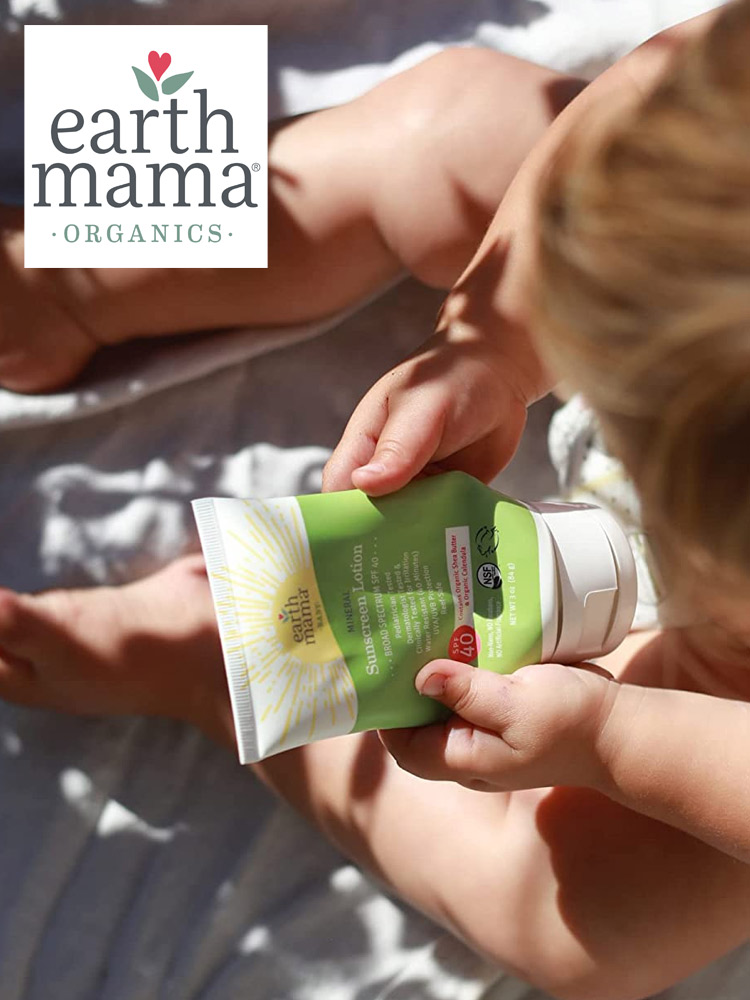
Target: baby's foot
x=147, y=648
x=43, y=344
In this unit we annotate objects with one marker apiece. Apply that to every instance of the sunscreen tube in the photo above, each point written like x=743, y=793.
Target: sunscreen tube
x=329, y=605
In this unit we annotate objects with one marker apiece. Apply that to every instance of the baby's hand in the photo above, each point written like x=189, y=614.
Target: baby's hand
x=454, y=404
x=532, y=729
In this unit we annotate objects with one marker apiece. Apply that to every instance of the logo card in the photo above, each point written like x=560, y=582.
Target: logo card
x=146, y=146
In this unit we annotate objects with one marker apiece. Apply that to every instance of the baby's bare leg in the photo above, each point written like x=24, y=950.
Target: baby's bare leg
x=146, y=648
x=571, y=891
x=405, y=178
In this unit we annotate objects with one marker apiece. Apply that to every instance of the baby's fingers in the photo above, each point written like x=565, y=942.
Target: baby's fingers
x=391, y=437
x=357, y=442
x=469, y=747
x=531, y=729
x=406, y=444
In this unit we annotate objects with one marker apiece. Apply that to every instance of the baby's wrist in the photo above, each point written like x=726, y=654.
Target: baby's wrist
x=504, y=351
x=581, y=735
x=484, y=312
x=611, y=731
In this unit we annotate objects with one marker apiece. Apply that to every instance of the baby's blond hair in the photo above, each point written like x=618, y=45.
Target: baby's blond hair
x=643, y=293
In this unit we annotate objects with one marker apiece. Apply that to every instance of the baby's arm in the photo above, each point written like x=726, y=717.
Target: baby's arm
x=682, y=758
x=459, y=402
x=569, y=888
x=677, y=756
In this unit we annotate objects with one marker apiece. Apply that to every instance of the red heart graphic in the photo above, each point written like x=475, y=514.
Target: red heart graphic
x=159, y=63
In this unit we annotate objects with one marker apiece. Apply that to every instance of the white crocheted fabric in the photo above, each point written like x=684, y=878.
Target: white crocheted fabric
x=587, y=473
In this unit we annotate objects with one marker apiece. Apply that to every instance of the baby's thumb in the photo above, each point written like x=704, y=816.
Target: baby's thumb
x=481, y=697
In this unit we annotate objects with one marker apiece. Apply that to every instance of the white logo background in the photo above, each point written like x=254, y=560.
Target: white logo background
x=89, y=68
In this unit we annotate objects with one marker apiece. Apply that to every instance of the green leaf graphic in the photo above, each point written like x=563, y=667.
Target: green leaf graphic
x=146, y=84
x=173, y=83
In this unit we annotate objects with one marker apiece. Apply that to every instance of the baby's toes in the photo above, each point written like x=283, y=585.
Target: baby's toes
x=18, y=623
x=18, y=620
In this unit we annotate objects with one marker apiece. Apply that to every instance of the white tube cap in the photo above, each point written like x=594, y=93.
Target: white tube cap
x=597, y=587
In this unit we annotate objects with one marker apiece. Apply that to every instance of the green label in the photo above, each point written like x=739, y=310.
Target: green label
x=445, y=568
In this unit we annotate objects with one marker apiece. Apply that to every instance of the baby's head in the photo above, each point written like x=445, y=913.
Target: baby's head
x=643, y=301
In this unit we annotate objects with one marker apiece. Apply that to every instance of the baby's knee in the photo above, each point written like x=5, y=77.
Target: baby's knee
x=450, y=135
x=454, y=85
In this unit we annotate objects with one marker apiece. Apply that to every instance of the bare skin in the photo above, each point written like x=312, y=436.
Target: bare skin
x=345, y=218
x=422, y=412
x=588, y=889
x=74, y=650
x=573, y=888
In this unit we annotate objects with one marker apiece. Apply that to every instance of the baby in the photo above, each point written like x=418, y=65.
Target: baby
x=589, y=831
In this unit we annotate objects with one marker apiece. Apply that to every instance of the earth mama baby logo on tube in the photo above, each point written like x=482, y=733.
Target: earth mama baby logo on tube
x=146, y=146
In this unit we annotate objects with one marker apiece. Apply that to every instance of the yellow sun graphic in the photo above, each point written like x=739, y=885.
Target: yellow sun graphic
x=272, y=617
